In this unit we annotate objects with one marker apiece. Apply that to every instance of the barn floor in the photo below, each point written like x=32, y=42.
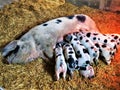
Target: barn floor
x=18, y=17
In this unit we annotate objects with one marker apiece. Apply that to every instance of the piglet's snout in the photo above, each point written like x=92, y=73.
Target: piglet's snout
x=90, y=77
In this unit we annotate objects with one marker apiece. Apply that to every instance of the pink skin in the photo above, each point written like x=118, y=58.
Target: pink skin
x=88, y=73
x=61, y=69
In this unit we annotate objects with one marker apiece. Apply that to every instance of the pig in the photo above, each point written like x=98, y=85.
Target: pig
x=70, y=57
x=89, y=45
x=105, y=52
x=101, y=38
x=115, y=37
x=60, y=66
x=87, y=71
x=82, y=56
x=40, y=40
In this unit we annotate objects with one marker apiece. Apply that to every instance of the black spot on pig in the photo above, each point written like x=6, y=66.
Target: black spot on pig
x=110, y=53
x=87, y=40
x=61, y=63
x=71, y=62
x=78, y=52
x=88, y=34
x=112, y=40
x=81, y=38
x=70, y=49
x=94, y=38
x=116, y=37
x=87, y=62
x=78, y=55
x=70, y=17
x=91, y=47
x=70, y=52
x=45, y=24
x=85, y=50
x=112, y=35
x=105, y=41
x=97, y=45
x=95, y=34
x=70, y=56
x=75, y=39
x=71, y=44
x=81, y=18
x=104, y=46
x=58, y=21
x=115, y=47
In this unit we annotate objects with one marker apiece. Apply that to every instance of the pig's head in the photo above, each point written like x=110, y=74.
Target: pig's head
x=87, y=71
x=19, y=52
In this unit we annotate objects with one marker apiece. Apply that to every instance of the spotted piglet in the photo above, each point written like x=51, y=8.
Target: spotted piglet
x=105, y=52
x=115, y=37
x=61, y=66
x=102, y=38
x=83, y=63
x=89, y=45
x=70, y=58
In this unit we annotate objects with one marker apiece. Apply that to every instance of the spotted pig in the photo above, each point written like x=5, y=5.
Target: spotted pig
x=70, y=58
x=40, y=40
x=61, y=66
x=89, y=45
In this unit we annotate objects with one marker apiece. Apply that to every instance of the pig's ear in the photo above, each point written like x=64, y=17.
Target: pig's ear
x=8, y=48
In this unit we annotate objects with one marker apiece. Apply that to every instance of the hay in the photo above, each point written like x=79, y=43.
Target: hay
x=18, y=17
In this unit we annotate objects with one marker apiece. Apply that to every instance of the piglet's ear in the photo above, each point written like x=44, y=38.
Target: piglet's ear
x=68, y=38
x=8, y=48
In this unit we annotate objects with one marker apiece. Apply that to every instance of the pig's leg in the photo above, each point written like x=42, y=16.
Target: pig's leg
x=57, y=76
x=64, y=74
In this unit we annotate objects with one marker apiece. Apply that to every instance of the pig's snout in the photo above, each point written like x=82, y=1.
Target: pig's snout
x=90, y=77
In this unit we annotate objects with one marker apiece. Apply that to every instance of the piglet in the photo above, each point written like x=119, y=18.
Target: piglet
x=83, y=58
x=115, y=37
x=89, y=45
x=60, y=66
x=70, y=58
x=105, y=52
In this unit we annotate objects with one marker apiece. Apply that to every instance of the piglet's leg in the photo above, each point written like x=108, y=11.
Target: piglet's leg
x=57, y=76
x=64, y=74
